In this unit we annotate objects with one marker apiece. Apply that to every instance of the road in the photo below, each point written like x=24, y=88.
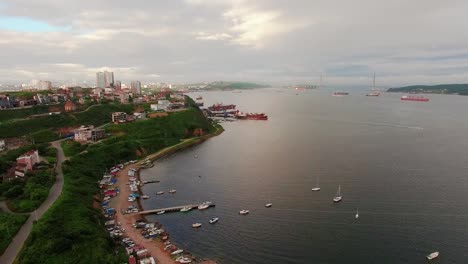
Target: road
x=17, y=243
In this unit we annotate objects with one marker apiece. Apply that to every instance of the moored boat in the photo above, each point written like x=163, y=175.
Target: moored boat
x=160, y=212
x=145, y=197
x=204, y=205
x=340, y=93
x=414, y=98
x=160, y=193
x=252, y=116
x=433, y=255
x=317, y=187
x=179, y=251
x=172, y=191
x=186, y=209
x=243, y=212
x=338, y=197
x=196, y=225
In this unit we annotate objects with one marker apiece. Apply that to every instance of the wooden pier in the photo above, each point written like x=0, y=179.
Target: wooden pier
x=172, y=209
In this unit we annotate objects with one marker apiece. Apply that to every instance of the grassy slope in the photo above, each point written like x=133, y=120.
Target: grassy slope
x=9, y=226
x=72, y=231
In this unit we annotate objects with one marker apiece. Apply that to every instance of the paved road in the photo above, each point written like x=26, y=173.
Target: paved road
x=15, y=246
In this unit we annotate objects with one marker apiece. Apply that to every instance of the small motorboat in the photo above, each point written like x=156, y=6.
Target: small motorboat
x=186, y=209
x=204, y=205
x=196, y=225
x=183, y=260
x=160, y=193
x=214, y=220
x=244, y=212
x=357, y=214
x=172, y=191
x=145, y=197
x=177, y=252
x=268, y=205
x=160, y=212
x=433, y=255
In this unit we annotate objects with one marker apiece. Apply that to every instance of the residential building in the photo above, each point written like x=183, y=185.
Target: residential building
x=26, y=162
x=88, y=133
x=105, y=79
x=109, y=79
x=135, y=87
x=70, y=106
x=2, y=145
x=118, y=85
x=100, y=80
x=44, y=85
x=119, y=117
x=162, y=105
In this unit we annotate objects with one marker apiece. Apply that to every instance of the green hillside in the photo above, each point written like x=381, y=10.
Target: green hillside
x=461, y=89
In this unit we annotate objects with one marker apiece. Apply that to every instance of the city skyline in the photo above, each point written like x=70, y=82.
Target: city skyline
x=236, y=40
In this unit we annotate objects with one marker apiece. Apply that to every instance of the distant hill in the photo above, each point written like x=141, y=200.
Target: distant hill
x=234, y=85
x=461, y=89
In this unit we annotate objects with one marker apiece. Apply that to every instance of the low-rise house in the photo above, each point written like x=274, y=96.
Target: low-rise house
x=162, y=105
x=88, y=134
x=119, y=117
x=69, y=106
x=25, y=162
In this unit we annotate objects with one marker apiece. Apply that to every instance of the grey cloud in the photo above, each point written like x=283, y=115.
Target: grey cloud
x=265, y=40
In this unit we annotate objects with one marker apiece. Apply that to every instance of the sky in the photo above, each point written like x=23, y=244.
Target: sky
x=266, y=41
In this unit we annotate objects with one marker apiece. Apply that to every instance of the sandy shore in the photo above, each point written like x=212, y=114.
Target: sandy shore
x=120, y=203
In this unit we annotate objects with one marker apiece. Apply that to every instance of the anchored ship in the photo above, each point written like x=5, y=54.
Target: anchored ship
x=414, y=98
x=250, y=116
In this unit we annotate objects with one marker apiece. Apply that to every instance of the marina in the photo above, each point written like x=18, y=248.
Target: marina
x=173, y=209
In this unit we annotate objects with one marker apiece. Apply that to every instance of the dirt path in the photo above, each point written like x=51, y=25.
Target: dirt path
x=17, y=243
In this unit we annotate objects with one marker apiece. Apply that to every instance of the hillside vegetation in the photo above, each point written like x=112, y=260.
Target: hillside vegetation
x=72, y=230
x=461, y=89
x=96, y=115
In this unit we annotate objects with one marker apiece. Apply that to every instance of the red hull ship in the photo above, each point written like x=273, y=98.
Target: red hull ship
x=221, y=107
x=255, y=116
x=414, y=98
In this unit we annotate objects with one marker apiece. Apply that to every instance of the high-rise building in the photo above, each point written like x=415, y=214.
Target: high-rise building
x=136, y=87
x=118, y=85
x=109, y=78
x=104, y=79
x=100, y=80
x=44, y=85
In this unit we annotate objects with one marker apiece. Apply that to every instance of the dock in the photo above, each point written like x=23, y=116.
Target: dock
x=172, y=209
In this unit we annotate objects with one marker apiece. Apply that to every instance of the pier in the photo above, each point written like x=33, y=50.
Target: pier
x=171, y=209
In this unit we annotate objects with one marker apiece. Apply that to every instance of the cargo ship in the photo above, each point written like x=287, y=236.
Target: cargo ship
x=252, y=116
x=340, y=93
x=221, y=107
x=414, y=98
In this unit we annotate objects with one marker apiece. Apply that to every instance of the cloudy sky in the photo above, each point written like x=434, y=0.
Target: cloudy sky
x=272, y=41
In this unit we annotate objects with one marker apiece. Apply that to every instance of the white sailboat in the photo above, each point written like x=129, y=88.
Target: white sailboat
x=357, y=213
x=317, y=188
x=338, y=197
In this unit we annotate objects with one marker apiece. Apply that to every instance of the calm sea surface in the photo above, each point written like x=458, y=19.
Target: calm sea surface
x=403, y=164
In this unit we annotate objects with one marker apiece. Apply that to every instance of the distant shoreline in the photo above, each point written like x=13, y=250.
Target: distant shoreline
x=453, y=89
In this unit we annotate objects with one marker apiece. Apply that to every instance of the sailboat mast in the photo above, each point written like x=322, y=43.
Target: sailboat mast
x=373, y=85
